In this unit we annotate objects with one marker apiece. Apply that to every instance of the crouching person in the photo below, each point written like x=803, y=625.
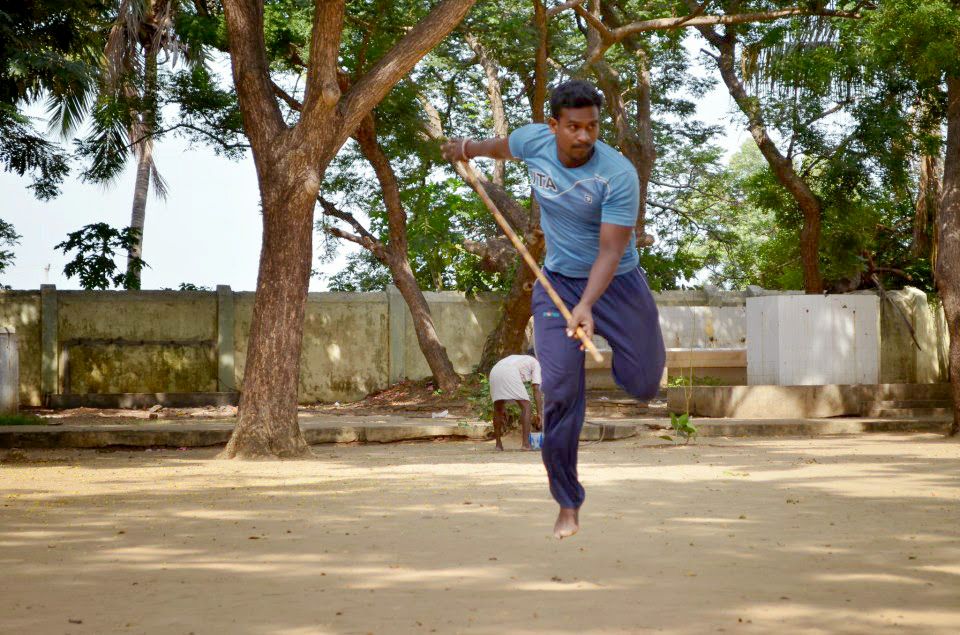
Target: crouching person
x=507, y=379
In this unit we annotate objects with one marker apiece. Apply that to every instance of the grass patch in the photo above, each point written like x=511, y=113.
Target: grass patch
x=681, y=381
x=21, y=420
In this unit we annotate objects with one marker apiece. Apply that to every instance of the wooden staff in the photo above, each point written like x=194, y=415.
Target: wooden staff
x=474, y=181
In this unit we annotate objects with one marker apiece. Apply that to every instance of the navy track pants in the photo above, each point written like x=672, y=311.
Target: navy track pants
x=626, y=316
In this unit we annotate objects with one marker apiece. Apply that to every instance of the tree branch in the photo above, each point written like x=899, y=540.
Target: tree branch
x=379, y=80
x=539, y=97
x=496, y=254
x=513, y=211
x=612, y=36
x=606, y=36
x=207, y=133
x=500, y=127
x=322, y=92
x=560, y=8
x=285, y=96
x=363, y=237
x=251, y=72
x=366, y=136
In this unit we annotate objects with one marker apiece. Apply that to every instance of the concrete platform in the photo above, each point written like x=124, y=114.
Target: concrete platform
x=790, y=402
x=711, y=428
x=174, y=433
x=373, y=429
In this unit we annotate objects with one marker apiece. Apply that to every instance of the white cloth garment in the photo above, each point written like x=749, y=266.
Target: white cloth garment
x=508, y=375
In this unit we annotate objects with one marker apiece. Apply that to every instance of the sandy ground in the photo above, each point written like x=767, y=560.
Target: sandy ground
x=841, y=535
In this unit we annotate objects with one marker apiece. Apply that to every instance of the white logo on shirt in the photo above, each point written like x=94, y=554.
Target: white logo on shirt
x=587, y=198
x=542, y=180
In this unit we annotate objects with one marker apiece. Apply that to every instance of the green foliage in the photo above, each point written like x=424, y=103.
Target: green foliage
x=8, y=238
x=684, y=380
x=21, y=420
x=920, y=38
x=208, y=112
x=363, y=272
x=25, y=152
x=481, y=401
x=96, y=246
x=681, y=425
x=47, y=48
x=189, y=286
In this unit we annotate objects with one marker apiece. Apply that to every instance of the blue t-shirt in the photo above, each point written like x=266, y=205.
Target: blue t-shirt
x=574, y=201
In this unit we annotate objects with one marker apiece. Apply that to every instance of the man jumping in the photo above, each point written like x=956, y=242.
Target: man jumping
x=589, y=197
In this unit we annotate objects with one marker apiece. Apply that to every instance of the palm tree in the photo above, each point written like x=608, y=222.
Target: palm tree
x=125, y=106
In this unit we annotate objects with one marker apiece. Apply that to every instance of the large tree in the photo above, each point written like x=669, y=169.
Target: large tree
x=291, y=161
x=924, y=40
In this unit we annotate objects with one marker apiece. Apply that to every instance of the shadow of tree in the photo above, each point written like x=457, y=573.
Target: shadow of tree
x=843, y=535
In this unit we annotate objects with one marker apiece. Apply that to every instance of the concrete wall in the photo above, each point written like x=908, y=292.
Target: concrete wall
x=462, y=325
x=922, y=357
x=182, y=341
x=21, y=310
x=148, y=341
x=345, y=344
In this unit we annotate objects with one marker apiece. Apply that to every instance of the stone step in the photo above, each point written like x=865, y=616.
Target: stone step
x=910, y=413
x=614, y=404
x=908, y=403
x=897, y=392
x=616, y=410
x=877, y=408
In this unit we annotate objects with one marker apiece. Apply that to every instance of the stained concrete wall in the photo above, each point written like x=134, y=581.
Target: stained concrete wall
x=21, y=310
x=920, y=358
x=462, y=325
x=173, y=341
x=345, y=346
x=146, y=341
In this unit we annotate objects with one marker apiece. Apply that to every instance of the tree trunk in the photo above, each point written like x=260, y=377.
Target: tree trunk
x=925, y=211
x=497, y=111
x=430, y=345
x=290, y=167
x=634, y=141
x=144, y=167
x=395, y=255
x=267, y=425
x=507, y=337
x=781, y=166
x=948, y=258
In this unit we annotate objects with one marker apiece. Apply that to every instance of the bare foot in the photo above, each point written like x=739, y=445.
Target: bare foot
x=568, y=523
x=526, y=446
x=499, y=447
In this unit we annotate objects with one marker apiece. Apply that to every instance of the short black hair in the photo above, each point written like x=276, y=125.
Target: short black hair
x=575, y=93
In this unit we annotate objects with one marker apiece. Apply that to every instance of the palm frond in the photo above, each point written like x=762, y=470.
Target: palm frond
x=159, y=183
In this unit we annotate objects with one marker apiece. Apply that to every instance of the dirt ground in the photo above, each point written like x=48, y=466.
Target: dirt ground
x=839, y=535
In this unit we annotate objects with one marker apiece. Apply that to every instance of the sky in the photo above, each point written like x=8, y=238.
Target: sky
x=207, y=231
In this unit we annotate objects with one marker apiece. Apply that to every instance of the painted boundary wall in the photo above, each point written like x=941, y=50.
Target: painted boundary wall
x=73, y=342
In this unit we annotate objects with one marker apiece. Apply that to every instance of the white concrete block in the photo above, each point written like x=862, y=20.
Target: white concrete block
x=802, y=340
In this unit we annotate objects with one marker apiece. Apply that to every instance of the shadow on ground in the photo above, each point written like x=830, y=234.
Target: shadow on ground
x=841, y=535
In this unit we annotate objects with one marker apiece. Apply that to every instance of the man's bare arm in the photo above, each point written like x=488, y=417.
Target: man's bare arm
x=459, y=149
